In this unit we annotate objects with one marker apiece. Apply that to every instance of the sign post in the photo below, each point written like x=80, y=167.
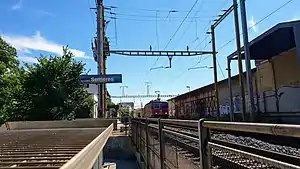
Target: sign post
x=100, y=79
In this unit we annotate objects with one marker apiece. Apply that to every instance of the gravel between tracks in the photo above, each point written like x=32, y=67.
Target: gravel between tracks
x=252, y=142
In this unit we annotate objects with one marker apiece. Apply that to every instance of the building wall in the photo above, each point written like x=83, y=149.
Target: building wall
x=224, y=88
x=171, y=104
x=189, y=104
x=286, y=68
x=287, y=76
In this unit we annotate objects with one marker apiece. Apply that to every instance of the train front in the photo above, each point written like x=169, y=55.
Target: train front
x=160, y=109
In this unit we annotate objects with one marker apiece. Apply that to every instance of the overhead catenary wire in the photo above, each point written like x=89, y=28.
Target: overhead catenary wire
x=202, y=41
x=190, y=23
x=261, y=20
x=157, y=39
x=184, y=32
x=221, y=70
x=157, y=36
x=206, y=29
x=91, y=12
x=154, y=16
x=146, y=20
x=177, y=29
x=150, y=10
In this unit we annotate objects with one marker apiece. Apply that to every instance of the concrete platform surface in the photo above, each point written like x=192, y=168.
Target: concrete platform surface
x=78, y=123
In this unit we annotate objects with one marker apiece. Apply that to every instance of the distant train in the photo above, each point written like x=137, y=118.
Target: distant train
x=156, y=109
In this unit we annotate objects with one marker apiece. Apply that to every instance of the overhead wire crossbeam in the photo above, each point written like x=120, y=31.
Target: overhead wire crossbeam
x=159, y=53
x=144, y=96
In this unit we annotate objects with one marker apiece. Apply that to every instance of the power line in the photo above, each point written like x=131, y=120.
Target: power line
x=194, y=16
x=90, y=6
x=151, y=10
x=261, y=20
x=177, y=29
x=154, y=16
x=181, y=24
x=184, y=32
x=157, y=30
x=157, y=37
x=209, y=22
x=146, y=20
x=204, y=39
x=220, y=68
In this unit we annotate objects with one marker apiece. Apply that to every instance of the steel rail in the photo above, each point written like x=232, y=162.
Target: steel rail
x=255, y=157
x=266, y=153
x=261, y=128
x=181, y=135
x=88, y=156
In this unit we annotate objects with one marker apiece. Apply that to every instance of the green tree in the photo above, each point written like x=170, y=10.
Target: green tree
x=47, y=90
x=52, y=90
x=11, y=78
x=123, y=112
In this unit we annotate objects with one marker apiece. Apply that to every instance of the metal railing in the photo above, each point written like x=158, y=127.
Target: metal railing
x=92, y=154
x=65, y=148
x=162, y=141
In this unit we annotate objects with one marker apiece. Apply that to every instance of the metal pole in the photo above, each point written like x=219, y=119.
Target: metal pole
x=147, y=145
x=161, y=144
x=238, y=44
x=105, y=90
x=230, y=90
x=103, y=61
x=204, y=149
x=100, y=38
x=247, y=59
x=275, y=85
x=213, y=43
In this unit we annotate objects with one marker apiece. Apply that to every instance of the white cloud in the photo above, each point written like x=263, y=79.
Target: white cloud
x=44, y=13
x=251, y=24
x=17, y=6
x=36, y=42
x=28, y=59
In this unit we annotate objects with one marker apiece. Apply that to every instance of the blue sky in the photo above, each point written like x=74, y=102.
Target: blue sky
x=35, y=27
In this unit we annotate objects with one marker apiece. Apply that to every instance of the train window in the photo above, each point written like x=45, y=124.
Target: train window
x=164, y=105
x=155, y=105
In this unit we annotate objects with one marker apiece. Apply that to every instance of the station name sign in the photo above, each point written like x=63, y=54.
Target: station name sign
x=98, y=79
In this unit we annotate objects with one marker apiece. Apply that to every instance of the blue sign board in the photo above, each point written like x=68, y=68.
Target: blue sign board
x=97, y=79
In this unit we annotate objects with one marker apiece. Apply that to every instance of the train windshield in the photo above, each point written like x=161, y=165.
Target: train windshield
x=164, y=105
x=155, y=105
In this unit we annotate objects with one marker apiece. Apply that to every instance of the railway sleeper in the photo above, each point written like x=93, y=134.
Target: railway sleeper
x=189, y=155
x=183, y=152
x=230, y=159
x=195, y=158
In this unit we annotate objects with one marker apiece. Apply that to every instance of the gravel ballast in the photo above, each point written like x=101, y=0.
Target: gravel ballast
x=255, y=143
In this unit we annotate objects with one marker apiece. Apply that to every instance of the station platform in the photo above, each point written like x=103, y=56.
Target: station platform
x=76, y=144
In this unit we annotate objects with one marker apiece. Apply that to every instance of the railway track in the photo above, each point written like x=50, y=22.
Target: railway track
x=229, y=154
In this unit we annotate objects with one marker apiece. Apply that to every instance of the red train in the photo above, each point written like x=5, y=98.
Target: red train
x=156, y=109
